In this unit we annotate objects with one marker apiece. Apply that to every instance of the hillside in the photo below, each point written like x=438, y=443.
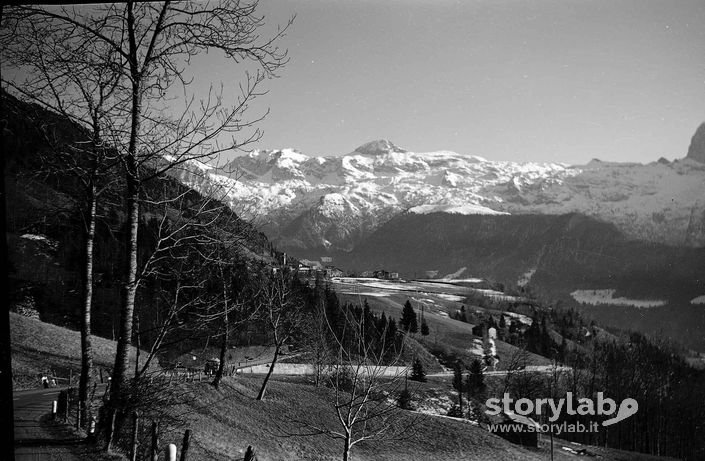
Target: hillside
x=554, y=256
x=39, y=347
x=225, y=422
x=46, y=230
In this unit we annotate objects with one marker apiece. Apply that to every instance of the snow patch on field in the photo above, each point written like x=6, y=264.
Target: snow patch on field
x=497, y=295
x=526, y=320
x=606, y=296
x=698, y=300
x=470, y=209
x=448, y=297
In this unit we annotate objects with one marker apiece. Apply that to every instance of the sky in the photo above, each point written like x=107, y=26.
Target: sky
x=520, y=80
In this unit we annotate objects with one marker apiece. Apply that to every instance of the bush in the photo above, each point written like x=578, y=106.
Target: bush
x=455, y=412
x=404, y=400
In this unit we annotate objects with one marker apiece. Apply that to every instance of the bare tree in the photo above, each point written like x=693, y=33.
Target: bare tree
x=365, y=379
x=317, y=341
x=282, y=313
x=150, y=44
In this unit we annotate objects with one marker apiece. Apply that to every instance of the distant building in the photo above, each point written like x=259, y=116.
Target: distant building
x=367, y=274
x=332, y=271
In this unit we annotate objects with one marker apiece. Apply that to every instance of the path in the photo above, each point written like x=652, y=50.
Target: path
x=36, y=438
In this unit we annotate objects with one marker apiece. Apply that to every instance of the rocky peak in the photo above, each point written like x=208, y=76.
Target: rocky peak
x=378, y=147
x=696, y=151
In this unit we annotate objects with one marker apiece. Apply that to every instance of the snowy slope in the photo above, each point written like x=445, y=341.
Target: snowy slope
x=334, y=202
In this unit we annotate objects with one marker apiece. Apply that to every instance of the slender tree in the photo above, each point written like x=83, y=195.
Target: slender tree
x=282, y=312
x=72, y=82
x=458, y=382
x=361, y=380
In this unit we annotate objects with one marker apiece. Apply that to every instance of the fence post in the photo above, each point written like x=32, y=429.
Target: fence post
x=91, y=429
x=155, y=441
x=133, y=441
x=111, y=430
x=78, y=415
x=185, y=444
x=170, y=452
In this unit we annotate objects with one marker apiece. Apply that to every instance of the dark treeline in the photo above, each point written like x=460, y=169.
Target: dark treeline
x=670, y=393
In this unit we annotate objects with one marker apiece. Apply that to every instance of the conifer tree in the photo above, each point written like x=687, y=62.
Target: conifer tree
x=417, y=372
x=408, y=318
x=425, y=331
x=475, y=380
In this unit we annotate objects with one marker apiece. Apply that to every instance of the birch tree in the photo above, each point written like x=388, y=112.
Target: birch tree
x=72, y=82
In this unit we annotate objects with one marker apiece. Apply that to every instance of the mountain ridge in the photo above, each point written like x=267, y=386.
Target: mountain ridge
x=333, y=202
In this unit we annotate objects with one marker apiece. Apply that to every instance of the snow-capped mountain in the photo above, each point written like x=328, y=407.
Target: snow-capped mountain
x=334, y=202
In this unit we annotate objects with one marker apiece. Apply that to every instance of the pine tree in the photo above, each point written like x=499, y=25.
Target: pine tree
x=475, y=380
x=408, y=318
x=425, y=331
x=417, y=372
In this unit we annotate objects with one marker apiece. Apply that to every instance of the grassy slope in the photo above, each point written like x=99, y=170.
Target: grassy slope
x=225, y=422
x=38, y=347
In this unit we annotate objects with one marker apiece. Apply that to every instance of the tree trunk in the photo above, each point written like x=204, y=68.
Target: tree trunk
x=223, y=350
x=260, y=396
x=133, y=214
x=346, y=448
x=224, y=342
x=86, y=346
x=128, y=302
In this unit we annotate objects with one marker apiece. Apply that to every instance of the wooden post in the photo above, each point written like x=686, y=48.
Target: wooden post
x=68, y=404
x=170, y=452
x=111, y=430
x=54, y=405
x=133, y=442
x=155, y=441
x=78, y=414
x=185, y=444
